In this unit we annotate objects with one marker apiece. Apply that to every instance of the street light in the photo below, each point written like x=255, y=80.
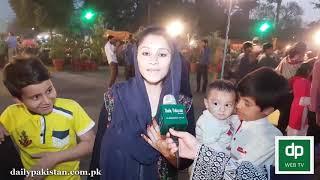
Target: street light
x=88, y=15
x=175, y=28
x=264, y=27
x=226, y=40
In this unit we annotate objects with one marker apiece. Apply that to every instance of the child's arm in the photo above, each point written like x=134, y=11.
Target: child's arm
x=51, y=159
x=5, y=124
x=3, y=133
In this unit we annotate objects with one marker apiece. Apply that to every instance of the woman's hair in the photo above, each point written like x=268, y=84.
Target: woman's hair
x=155, y=31
x=304, y=70
x=22, y=72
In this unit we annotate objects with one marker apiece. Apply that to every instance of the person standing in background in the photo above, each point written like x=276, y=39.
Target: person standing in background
x=109, y=49
x=288, y=68
x=245, y=60
x=12, y=45
x=202, y=71
x=3, y=51
x=300, y=85
x=314, y=108
x=128, y=58
x=268, y=58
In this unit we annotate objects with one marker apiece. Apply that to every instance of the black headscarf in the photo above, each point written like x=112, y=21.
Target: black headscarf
x=122, y=141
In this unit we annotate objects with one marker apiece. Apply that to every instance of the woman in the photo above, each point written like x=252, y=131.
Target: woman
x=288, y=68
x=300, y=84
x=120, y=151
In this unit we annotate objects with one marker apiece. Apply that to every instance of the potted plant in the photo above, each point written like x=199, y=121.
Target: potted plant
x=57, y=53
x=96, y=55
x=86, y=58
x=75, y=62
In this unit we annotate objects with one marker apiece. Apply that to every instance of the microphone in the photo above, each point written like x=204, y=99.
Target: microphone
x=172, y=115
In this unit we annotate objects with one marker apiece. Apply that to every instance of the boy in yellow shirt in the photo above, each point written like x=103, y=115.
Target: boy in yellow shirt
x=43, y=127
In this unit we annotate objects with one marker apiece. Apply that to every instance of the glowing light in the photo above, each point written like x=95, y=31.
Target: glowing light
x=175, y=28
x=317, y=37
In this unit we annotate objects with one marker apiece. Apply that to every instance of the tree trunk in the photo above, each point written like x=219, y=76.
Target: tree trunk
x=277, y=16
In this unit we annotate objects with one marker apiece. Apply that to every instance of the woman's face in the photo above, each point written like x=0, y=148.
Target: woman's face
x=154, y=57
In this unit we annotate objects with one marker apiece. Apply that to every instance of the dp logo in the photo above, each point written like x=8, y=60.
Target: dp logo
x=294, y=155
x=294, y=151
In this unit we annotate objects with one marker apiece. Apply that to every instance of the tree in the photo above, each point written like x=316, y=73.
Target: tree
x=316, y=4
x=130, y=14
x=43, y=13
x=278, y=2
x=205, y=15
x=240, y=19
x=23, y=10
x=290, y=17
x=120, y=14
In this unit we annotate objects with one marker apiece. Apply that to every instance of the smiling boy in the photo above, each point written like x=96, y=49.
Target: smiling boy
x=44, y=128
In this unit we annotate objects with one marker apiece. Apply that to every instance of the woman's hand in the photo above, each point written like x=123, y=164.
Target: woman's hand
x=188, y=144
x=155, y=139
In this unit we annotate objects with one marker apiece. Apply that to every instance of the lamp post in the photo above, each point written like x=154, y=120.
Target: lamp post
x=226, y=40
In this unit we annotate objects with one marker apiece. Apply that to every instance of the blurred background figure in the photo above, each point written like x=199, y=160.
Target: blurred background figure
x=12, y=45
x=268, y=58
x=128, y=58
x=3, y=51
x=110, y=51
x=202, y=71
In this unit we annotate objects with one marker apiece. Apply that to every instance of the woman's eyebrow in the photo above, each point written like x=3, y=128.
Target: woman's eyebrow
x=144, y=47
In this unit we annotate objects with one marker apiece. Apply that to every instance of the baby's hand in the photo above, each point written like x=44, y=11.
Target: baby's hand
x=3, y=132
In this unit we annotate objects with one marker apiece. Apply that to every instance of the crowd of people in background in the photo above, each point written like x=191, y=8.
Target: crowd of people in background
x=296, y=64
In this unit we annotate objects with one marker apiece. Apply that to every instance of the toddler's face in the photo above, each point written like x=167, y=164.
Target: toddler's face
x=220, y=103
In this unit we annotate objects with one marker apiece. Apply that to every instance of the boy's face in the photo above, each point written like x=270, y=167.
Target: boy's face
x=220, y=103
x=39, y=98
x=247, y=109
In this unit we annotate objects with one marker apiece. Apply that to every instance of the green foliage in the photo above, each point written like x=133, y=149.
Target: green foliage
x=119, y=13
x=46, y=14
x=75, y=45
x=97, y=40
x=290, y=17
x=316, y=4
x=57, y=47
x=86, y=54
